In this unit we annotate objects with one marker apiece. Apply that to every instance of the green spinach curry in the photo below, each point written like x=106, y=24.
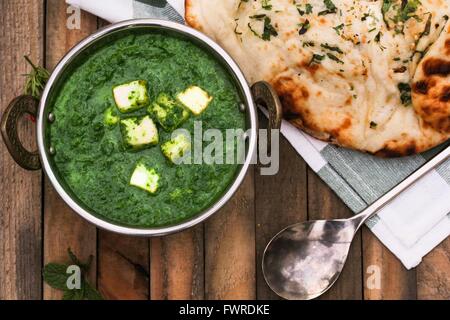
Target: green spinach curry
x=115, y=115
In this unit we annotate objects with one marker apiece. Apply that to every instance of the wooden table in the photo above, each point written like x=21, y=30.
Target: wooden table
x=217, y=260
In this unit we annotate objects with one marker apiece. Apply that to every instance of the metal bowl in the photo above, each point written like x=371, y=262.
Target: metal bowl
x=260, y=92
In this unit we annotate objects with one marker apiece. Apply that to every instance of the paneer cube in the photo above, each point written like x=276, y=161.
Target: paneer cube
x=145, y=178
x=139, y=133
x=131, y=96
x=175, y=149
x=169, y=113
x=195, y=99
x=110, y=118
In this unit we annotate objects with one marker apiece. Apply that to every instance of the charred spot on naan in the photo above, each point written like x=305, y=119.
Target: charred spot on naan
x=395, y=149
x=438, y=118
x=292, y=95
x=348, y=101
x=290, y=90
x=421, y=87
x=340, y=134
x=312, y=68
x=431, y=90
x=436, y=66
x=190, y=16
x=393, y=153
x=294, y=99
x=432, y=103
x=447, y=47
x=445, y=94
x=443, y=124
x=407, y=145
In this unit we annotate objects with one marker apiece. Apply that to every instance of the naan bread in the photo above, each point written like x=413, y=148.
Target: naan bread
x=431, y=86
x=344, y=68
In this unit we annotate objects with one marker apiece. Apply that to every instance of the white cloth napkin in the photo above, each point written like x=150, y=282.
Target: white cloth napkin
x=410, y=226
x=120, y=10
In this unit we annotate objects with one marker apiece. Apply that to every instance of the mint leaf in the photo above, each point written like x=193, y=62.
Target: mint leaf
x=55, y=275
x=91, y=293
x=73, y=257
x=84, y=266
x=75, y=294
x=85, y=293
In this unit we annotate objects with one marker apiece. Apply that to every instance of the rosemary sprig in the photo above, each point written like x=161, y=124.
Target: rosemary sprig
x=36, y=80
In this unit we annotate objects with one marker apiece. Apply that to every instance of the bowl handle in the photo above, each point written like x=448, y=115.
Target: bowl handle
x=21, y=105
x=265, y=96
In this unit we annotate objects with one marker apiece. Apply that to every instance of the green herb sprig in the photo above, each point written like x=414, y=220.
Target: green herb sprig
x=405, y=93
x=35, y=80
x=56, y=276
x=304, y=27
x=269, y=30
x=316, y=59
x=339, y=28
x=395, y=15
x=308, y=9
x=331, y=8
x=266, y=5
x=331, y=48
x=334, y=58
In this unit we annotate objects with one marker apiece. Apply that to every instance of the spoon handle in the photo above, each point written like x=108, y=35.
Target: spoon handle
x=360, y=218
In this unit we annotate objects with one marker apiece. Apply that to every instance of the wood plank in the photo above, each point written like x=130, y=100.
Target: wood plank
x=123, y=267
x=230, y=271
x=396, y=283
x=323, y=203
x=281, y=200
x=177, y=266
x=124, y=262
x=433, y=274
x=22, y=30
x=63, y=228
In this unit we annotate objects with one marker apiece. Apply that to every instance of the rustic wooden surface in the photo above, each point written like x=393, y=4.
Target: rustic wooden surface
x=217, y=260
x=63, y=228
x=22, y=32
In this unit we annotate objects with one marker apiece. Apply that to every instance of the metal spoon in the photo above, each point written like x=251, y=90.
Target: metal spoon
x=304, y=260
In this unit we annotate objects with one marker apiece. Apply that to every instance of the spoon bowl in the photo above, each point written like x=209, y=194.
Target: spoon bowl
x=304, y=260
